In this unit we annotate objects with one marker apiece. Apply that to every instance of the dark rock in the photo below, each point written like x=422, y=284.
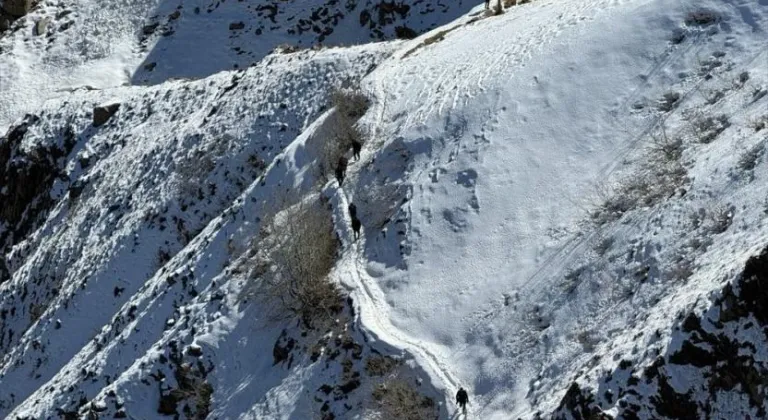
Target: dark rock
x=349, y=386
x=16, y=8
x=149, y=29
x=404, y=32
x=169, y=403
x=282, y=350
x=102, y=114
x=195, y=351
x=236, y=26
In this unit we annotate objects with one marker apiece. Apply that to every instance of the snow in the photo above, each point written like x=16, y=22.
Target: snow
x=492, y=141
x=504, y=162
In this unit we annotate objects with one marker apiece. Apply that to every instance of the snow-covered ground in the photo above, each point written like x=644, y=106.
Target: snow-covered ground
x=104, y=44
x=506, y=159
x=554, y=202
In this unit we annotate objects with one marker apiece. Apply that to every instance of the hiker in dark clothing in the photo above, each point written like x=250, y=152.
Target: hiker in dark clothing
x=356, y=227
x=487, y=4
x=341, y=169
x=356, y=147
x=355, y=221
x=462, y=399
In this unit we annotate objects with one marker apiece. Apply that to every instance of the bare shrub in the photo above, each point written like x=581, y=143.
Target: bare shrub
x=664, y=148
x=293, y=262
x=668, y=101
x=35, y=312
x=701, y=18
x=350, y=102
x=659, y=177
x=680, y=269
x=191, y=385
x=719, y=218
x=380, y=365
x=287, y=48
x=587, y=339
x=706, y=129
x=759, y=123
x=748, y=159
x=397, y=398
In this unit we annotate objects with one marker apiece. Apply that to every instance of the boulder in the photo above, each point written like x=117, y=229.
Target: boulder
x=102, y=113
x=16, y=8
x=41, y=26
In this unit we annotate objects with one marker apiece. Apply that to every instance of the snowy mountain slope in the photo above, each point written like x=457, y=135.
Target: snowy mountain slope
x=110, y=43
x=502, y=161
x=562, y=209
x=134, y=193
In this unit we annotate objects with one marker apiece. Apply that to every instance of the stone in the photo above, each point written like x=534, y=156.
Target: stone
x=17, y=8
x=41, y=26
x=102, y=114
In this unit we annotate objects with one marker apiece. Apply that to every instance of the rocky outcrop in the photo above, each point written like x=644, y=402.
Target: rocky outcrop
x=714, y=366
x=26, y=177
x=16, y=8
x=102, y=114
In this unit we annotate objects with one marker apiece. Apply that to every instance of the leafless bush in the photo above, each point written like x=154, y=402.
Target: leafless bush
x=350, y=102
x=287, y=48
x=658, y=177
x=191, y=386
x=293, y=261
x=664, y=148
x=748, y=159
x=380, y=365
x=680, y=269
x=706, y=129
x=397, y=398
x=194, y=169
x=35, y=312
x=668, y=101
x=759, y=123
x=510, y=3
x=587, y=339
x=344, y=134
x=701, y=18
x=719, y=218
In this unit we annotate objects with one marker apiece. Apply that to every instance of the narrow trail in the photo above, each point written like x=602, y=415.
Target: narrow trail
x=373, y=314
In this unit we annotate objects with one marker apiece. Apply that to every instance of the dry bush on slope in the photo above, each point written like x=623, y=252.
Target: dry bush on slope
x=397, y=398
x=291, y=265
x=659, y=176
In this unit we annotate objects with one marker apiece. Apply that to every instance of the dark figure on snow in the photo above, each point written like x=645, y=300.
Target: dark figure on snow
x=341, y=169
x=355, y=221
x=462, y=399
x=487, y=4
x=356, y=147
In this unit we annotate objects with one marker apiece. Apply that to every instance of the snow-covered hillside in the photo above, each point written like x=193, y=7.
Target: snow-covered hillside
x=62, y=45
x=563, y=210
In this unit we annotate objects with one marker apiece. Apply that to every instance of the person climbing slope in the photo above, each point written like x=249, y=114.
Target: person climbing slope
x=462, y=399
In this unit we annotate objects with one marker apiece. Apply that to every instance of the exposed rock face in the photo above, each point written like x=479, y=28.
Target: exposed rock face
x=102, y=114
x=16, y=8
x=714, y=365
x=26, y=176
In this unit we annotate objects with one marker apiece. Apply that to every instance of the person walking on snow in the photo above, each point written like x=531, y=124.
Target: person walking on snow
x=487, y=4
x=462, y=399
